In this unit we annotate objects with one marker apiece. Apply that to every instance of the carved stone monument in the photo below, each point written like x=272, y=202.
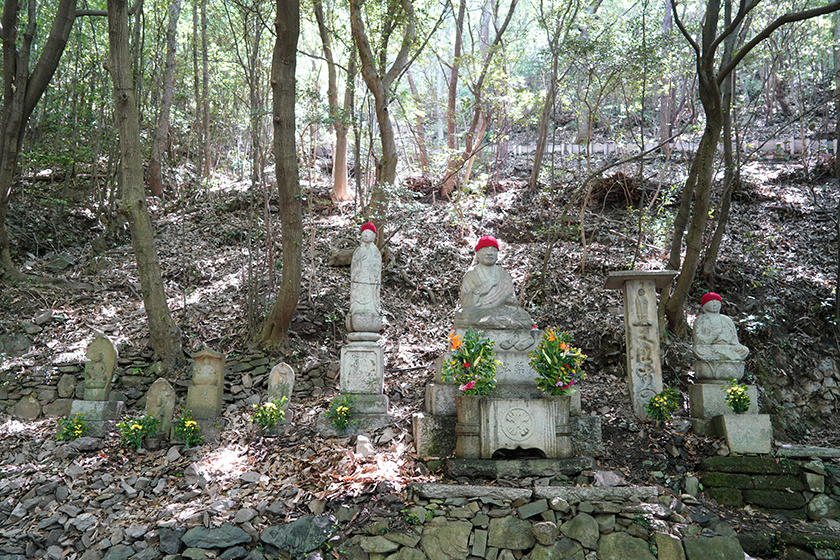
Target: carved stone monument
x=719, y=354
x=515, y=414
x=100, y=360
x=100, y=413
x=281, y=383
x=641, y=331
x=362, y=359
x=160, y=403
x=204, y=396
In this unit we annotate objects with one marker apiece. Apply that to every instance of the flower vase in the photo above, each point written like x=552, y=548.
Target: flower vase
x=467, y=430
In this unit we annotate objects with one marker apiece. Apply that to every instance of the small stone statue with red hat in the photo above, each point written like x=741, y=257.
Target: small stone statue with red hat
x=719, y=354
x=365, y=279
x=487, y=297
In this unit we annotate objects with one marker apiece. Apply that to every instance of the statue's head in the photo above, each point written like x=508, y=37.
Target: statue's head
x=711, y=302
x=368, y=232
x=487, y=250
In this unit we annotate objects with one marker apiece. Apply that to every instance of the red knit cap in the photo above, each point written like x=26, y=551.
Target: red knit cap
x=487, y=241
x=709, y=297
x=368, y=225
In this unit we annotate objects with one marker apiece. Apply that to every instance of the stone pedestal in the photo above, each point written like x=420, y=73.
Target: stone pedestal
x=101, y=416
x=435, y=430
x=492, y=425
x=708, y=401
x=746, y=433
x=641, y=326
x=362, y=377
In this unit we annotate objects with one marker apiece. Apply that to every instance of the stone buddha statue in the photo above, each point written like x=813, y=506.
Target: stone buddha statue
x=487, y=297
x=365, y=279
x=719, y=354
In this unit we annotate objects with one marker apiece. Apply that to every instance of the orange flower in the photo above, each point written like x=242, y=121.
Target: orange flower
x=551, y=336
x=455, y=340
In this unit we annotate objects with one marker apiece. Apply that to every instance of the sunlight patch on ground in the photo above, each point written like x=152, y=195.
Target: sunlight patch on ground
x=232, y=280
x=227, y=462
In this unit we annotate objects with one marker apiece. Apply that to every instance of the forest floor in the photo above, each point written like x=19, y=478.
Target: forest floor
x=776, y=274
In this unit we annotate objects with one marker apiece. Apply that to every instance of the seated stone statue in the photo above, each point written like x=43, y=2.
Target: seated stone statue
x=365, y=279
x=719, y=354
x=487, y=297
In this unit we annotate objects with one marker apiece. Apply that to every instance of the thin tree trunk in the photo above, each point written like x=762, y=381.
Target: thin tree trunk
x=205, y=92
x=164, y=334
x=162, y=131
x=22, y=89
x=836, y=52
x=545, y=118
x=199, y=142
x=420, y=133
x=337, y=119
x=287, y=25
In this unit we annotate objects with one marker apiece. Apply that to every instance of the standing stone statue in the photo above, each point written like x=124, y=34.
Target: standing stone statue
x=487, y=297
x=100, y=360
x=281, y=383
x=160, y=403
x=719, y=354
x=365, y=279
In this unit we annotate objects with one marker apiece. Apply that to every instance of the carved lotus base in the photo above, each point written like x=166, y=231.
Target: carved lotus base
x=719, y=371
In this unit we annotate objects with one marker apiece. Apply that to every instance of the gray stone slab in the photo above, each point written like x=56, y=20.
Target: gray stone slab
x=746, y=433
x=431, y=490
x=434, y=436
x=593, y=493
x=806, y=451
x=493, y=468
x=708, y=400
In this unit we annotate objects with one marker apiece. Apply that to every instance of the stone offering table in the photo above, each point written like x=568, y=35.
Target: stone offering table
x=641, y=327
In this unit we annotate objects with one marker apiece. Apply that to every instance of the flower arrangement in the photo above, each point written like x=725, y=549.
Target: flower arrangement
x=558, y=363
x=186, y=429
x=71, y=428
x=269, y=414
x=736, y=396
x=341, y=408
x=662, y=405
x=472, y=364
x=133, y=431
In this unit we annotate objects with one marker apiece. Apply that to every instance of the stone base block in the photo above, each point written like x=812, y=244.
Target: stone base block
x=362, y=424
x=101, y=416
x=369, y=404
x=493, y=468
x=205, y=401
x=746, y=433
x=59, y=407
x=707, y=400
x=586, y=434
x=362, y=368
x=703, y=427
x=434, y=436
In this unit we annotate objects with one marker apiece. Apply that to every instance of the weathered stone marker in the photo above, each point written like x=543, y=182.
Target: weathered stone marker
x=99, y=411
x=281, y=383
x=204, y=397
x=160, y=403
x=641, y=331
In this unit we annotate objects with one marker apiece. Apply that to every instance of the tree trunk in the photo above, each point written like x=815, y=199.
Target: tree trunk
x=379, y=83
x=836, y=52
x=165, y=336
x=162, y=131
x=21, y=92
x=287, y=25
x=337, y=119
x=420, y=133
x=205, y=93
x=542, y=132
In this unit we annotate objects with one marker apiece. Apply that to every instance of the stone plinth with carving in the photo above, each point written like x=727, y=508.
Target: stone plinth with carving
x=204, y=396
x=641, y=331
